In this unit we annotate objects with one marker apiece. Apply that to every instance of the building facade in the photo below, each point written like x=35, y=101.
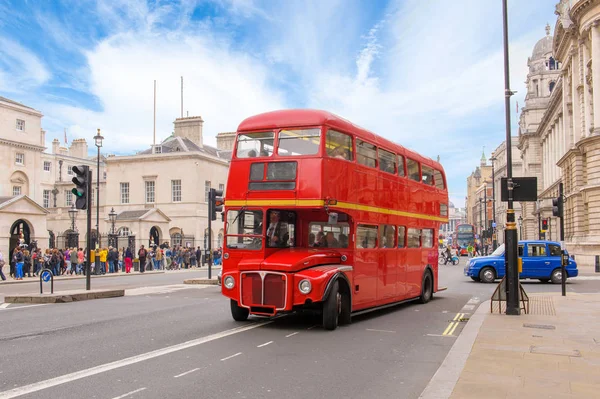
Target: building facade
x=475, y=180
x=560, y=137
x=159, y=195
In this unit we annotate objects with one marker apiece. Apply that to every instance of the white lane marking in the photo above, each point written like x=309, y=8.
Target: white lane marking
x=229, y=357
x=38, y=386
x=265, y=344
x=468, y=307
x=440, y=335
x=386, y=331
x=187, y=372
x=25, y=307
x=292, y=334
x=4, y=305
x=129, y=393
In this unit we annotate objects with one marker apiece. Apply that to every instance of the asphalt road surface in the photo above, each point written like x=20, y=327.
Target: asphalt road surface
x=164, y=339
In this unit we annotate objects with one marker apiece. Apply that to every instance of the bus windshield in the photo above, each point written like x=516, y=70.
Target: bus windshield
x=244, y=229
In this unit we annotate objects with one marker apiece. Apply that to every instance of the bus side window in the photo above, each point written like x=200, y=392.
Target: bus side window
x=387, y=235
x=427, y=175
x=366, y=236
x=366, y=153
x=401, y=237
x=438, y=179
x=414, y=238
x=413, y=169
x=427, y=237
x=387, y=161
x=401, y=171
x=339, y=145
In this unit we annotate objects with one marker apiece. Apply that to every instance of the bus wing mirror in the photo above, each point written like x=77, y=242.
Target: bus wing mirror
x=333, y=218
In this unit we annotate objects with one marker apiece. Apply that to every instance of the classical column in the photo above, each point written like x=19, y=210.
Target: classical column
x=586, y=93
x=596, y=74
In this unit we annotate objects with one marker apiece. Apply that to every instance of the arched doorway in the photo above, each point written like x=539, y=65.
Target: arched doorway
x=20, y=234
x=154, y=236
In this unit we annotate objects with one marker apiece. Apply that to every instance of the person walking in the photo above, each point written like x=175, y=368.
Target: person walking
x=142, y=254
x=19, y=265
x=128, y=260
x=199, y=257
x=470, y=250
x=159, y=259
x=26, y=263
x=2, y=263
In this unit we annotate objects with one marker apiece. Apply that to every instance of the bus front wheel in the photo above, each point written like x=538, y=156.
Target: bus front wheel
x=237, y=312
x=332, y=308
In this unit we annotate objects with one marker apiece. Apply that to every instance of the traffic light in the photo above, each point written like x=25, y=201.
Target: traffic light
x=215, y=203
x=544, y=225
x=81, y=186
x=557, y=207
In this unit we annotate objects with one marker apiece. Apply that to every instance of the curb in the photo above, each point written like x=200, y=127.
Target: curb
x=69, y=278
x=201, y=281
x=64, y=297
x=445, y=378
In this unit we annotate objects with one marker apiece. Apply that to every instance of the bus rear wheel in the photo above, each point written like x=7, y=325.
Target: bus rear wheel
x=332, y=308
x=426, y=288
x=237, y=312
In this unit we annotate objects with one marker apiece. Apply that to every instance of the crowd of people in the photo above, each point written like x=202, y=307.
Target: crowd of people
x=25, y=262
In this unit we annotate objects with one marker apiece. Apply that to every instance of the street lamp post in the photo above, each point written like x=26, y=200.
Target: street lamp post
x=520, y=226
x=73, y=216
x=112, y=216
x=98, y=141
x=494, y=240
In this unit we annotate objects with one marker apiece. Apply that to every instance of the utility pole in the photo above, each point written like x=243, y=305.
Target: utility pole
x=494, y=240
x=510, y=233
x=558, y=211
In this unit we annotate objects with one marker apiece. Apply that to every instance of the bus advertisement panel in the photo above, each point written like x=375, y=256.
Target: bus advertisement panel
x=322, y=214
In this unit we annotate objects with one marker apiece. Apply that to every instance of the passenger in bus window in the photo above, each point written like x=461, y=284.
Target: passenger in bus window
x=389, y=237
x=320, y=240
x=340, y=153
x=277, y=235
x=252, y=154
x=311, y=240
x=331, y=241
x=343, y=239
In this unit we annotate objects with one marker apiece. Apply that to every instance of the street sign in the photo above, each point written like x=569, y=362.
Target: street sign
x=46, y=276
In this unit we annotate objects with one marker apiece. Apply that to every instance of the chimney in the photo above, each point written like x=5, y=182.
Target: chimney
x=42, y=137
x=225, y=141
x=55, y=146
x=79, y=148
x=189, y=128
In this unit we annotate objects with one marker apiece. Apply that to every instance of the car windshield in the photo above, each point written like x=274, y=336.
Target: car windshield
x=499, y=251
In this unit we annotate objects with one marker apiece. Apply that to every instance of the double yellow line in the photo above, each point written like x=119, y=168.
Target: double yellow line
x=453, y=324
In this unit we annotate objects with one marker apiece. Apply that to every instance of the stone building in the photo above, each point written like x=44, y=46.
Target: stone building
x=159, y=195
x=498, y=160
x=563, y=143
x=481, y=174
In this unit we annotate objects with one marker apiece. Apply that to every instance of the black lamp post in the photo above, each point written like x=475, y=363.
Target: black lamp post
x=112, y=216
x=520, y=219
x=98, y=141
x=494, y=240
x=72, y=234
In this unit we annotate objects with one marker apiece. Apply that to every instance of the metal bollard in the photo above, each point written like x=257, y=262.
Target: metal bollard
x=597, y=264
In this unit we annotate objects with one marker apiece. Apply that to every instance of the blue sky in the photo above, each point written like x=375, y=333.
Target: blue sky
x=425, y=73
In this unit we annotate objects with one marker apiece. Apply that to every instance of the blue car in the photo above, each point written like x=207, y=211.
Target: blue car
x=541, y=261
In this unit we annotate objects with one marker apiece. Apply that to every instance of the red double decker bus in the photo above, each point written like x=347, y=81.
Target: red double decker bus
x=463, y=236
x=322, y=214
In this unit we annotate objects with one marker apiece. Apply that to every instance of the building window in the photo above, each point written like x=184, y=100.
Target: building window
x=124, y=193
x=70, y=170
x=206, y=190
x=47, y=166
x=158, y=149
x=149, y=192
x=20, y=158
x=46, y=198
x=551, y=86
x=176, y=239
x=123, y=231
x=104, y=175
x=16, y=190
x=21, y=125
x=68, y=198
x=176, y=190
x=222, y=187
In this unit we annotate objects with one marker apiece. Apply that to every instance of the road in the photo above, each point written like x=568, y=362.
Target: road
x=164, y=339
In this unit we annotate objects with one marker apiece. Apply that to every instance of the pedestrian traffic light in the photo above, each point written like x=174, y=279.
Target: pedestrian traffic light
x=215, y=203
x=81, y=186
x=544, y=225
x=557, y=207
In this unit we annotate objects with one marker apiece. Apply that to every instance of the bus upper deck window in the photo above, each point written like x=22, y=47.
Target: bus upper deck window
x=401, y=166
x=439, y=179
x=367, y=153
x=299, y=142
x=339, y=145
x=251, y=145
x=387, y=161
x=427, y=175
x=413, y=169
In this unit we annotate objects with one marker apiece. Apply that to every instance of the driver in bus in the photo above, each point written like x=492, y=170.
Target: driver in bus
x=277, y=235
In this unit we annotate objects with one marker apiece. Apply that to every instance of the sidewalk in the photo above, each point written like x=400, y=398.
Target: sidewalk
x=552, y=352
x=9, y=280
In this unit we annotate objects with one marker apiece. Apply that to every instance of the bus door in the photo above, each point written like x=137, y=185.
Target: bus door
x=366, y=263
x=388, y=263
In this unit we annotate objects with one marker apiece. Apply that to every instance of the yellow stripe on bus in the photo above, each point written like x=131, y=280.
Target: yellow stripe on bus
x=342, y=205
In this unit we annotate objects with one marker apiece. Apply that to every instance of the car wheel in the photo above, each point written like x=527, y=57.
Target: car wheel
x=332, y=308
x=475, y=279
x=556, y=276
x=237, y=312
x=545, y=280
x=426, y=288
x=487, y=275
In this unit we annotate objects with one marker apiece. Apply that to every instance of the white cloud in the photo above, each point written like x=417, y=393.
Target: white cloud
x=221, y=85
x=20, y=69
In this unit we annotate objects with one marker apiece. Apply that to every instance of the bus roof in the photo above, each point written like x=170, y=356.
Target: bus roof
x=312, y=117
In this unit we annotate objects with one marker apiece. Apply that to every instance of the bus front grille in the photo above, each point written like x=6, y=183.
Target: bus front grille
x=263, y=288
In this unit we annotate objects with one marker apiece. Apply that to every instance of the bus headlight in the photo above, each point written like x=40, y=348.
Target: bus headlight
x=229, y=282
x=304, y=286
